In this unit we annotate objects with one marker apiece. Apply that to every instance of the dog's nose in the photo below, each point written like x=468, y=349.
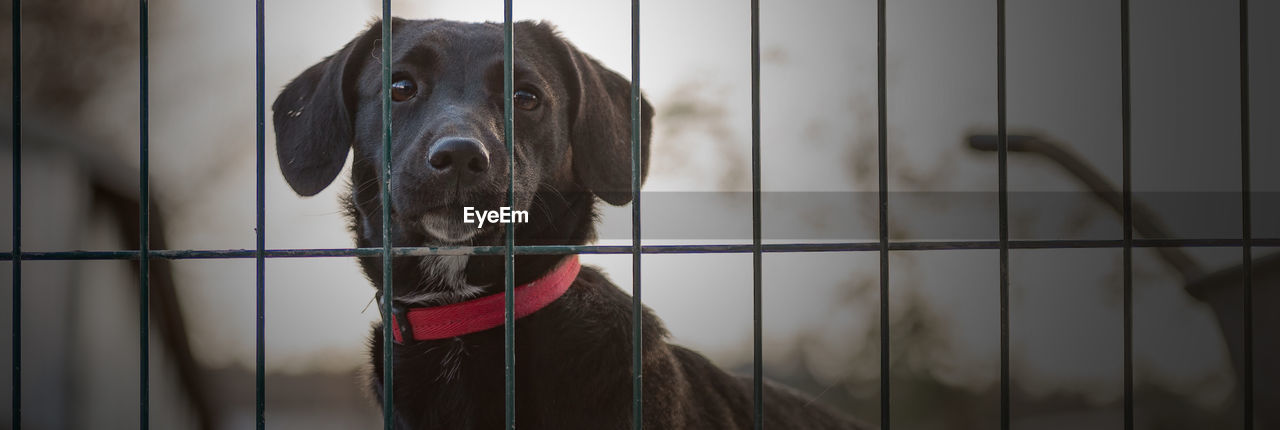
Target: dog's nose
x=463, y=157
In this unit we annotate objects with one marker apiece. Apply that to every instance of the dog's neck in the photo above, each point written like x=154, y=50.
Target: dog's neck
x=560, y=219
x=556, y=218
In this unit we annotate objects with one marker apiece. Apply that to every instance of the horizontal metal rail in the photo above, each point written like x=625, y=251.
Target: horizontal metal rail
x=200, y=254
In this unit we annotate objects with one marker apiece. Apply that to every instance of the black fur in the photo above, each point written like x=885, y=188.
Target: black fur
x=573, y=357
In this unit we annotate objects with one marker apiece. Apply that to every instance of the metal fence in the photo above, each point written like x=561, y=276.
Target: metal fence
x=883, y=245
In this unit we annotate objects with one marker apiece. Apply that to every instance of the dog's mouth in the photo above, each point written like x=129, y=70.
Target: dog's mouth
x=443, y=223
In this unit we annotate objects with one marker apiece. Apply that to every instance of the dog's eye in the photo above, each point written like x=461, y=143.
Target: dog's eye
x=403, y=88
x=526, y=100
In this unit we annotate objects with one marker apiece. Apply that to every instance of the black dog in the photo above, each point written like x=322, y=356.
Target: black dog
x=572, y=145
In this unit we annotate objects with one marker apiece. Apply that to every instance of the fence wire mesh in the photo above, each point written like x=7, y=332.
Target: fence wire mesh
x=883, y=245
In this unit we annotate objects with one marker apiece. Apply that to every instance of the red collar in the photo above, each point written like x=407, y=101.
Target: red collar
x=443, y=322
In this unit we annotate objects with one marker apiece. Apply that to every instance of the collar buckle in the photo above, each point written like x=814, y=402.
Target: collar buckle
x=402, y=329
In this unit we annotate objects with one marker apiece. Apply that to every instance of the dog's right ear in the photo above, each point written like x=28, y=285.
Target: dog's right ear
x=600, y=118
x=314, y=116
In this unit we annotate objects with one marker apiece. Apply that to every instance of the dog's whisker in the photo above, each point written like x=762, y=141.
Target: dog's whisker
x=546, y=209
x=551, y=188
x=364, y=186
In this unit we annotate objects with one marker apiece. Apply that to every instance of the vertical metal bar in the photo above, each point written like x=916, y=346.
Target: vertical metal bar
x=757, y=361
x=1127, y=212
x=16, y=334
x=509, y=127
x=260, y=391
x=388, y=295
x=144, y=227
x=1246, y=215
x=1003, y=142
x=637, y=308
x=882, y=151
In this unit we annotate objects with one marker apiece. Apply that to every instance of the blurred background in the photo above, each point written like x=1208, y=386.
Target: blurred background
x=819, y=132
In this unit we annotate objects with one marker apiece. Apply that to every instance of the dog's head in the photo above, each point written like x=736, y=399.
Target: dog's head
x=571, y=117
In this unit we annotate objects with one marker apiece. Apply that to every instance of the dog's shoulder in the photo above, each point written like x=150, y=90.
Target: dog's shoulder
x=603, y=310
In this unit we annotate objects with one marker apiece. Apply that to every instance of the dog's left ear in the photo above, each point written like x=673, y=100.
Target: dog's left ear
x=600, y=129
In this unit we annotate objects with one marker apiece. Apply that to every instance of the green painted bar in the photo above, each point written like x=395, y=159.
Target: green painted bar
x=388, y=342
x=15, y=389
x=185, y=254
x=882, y=178
x=637, y=307
x=144, y=241
x=757, y=360
x=1246, y=202
x=260, y=372
x=508, y=133
x=1127, y=214
x=1002, y=106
